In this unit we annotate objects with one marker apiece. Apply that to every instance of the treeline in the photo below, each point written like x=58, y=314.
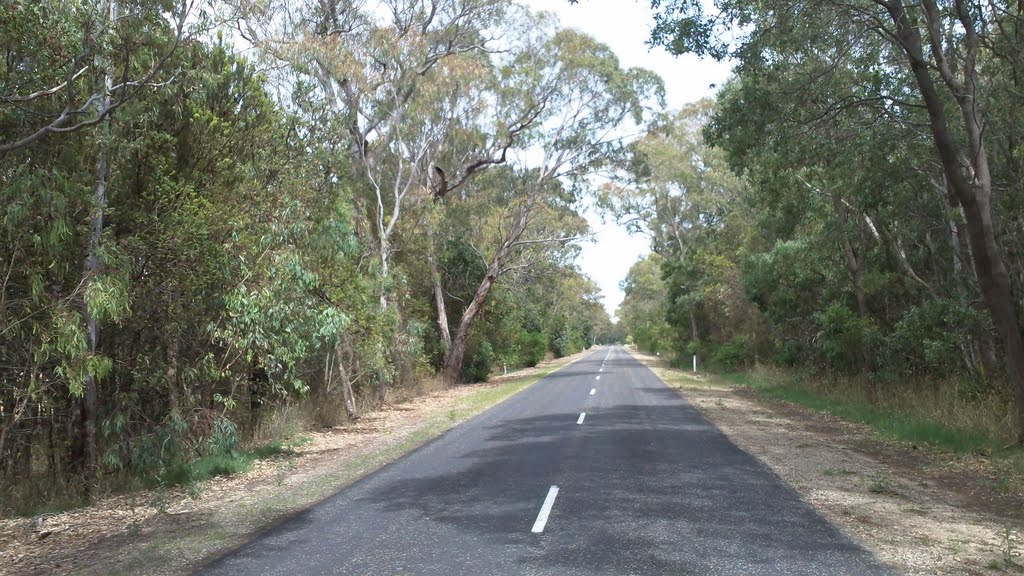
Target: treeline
x=875, y=226
x=213, y=212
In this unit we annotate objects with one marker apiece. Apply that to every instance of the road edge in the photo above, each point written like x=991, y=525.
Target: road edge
x=176, y=544
x=901, y=516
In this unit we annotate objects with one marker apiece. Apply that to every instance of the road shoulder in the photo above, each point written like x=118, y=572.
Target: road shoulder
x=174, y=532
x=899, y=501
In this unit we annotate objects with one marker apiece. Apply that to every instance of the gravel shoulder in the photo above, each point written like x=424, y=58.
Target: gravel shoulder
x=173, y=532
x=920, y=511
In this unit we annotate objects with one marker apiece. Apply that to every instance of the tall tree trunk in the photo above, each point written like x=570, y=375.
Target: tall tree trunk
x=435, y=280
x=974, y=195
x=84, y=450
x=346, y=384
x=867, y=364
x=384, y=254
x=385, y=304
x=442, y=312
x=982, y=346
x=451, y=368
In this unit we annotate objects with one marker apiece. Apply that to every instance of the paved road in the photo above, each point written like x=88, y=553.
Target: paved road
x=645, y=485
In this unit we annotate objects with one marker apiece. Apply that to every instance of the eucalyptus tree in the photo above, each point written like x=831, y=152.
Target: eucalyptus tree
x=579, y=98
x=644, y=307
x=389, y=73
x=69, y=67
x=939, y=52
x=431, y=94
x=70, y=89
x=681, y=193
x=402, y=80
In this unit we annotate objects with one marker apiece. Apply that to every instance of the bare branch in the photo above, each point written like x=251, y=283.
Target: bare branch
x=48, y=92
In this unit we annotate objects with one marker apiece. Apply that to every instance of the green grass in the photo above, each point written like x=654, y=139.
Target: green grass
x=235, y=462
x=889, y=423
x=935, y=417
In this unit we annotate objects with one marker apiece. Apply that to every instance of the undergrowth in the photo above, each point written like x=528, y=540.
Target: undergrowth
x=225, y=457
x=932, y=414
x=226, y=464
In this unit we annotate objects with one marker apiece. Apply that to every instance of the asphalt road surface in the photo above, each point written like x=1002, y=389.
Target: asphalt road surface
x=597, y=469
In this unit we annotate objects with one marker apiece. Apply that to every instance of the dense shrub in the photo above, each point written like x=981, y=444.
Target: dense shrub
x=843, y=337
x=476, y=367
x=734, y=354
x=533, y=346
x=567, y=343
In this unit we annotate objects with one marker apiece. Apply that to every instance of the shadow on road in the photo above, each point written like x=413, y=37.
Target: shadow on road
x=645, y=488
x=648, y=486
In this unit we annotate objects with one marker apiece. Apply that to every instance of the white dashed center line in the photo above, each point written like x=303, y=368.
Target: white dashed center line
x=598, y=377
x=582, y=416
x=545, y=509
x=593, y=391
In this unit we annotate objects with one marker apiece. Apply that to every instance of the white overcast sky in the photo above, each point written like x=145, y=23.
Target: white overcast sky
x=624, y=25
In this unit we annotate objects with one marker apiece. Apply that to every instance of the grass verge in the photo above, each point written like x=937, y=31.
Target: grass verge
x=934, y=417
x=930, y=414
x=894, y=424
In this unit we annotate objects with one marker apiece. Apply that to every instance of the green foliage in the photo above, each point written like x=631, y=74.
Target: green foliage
x=533, y=347
x=927, y=337
x=259, y=248
x=643, y=309
x=845, y=235
x=568, y=342
x=479, y=360
x=226, y=463
x=689, y=297
x=735, y=354
x=843, y=336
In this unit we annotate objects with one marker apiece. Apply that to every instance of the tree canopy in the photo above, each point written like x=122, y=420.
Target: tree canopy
x=874, y=225
x=218, y=213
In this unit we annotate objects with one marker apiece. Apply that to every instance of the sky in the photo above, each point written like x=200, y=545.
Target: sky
x=624, y=25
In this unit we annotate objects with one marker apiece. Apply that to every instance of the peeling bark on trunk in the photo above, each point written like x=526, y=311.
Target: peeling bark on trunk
x=451, y=370
x=442, y=313
x=435, y=279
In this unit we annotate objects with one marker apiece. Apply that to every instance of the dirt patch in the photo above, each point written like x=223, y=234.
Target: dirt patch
x=173, y=532
x=921, y=511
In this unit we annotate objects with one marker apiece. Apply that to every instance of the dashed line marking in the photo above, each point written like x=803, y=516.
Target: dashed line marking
x=582, y=416
x=598, y=377
x=593, y=391
x=545, y=510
